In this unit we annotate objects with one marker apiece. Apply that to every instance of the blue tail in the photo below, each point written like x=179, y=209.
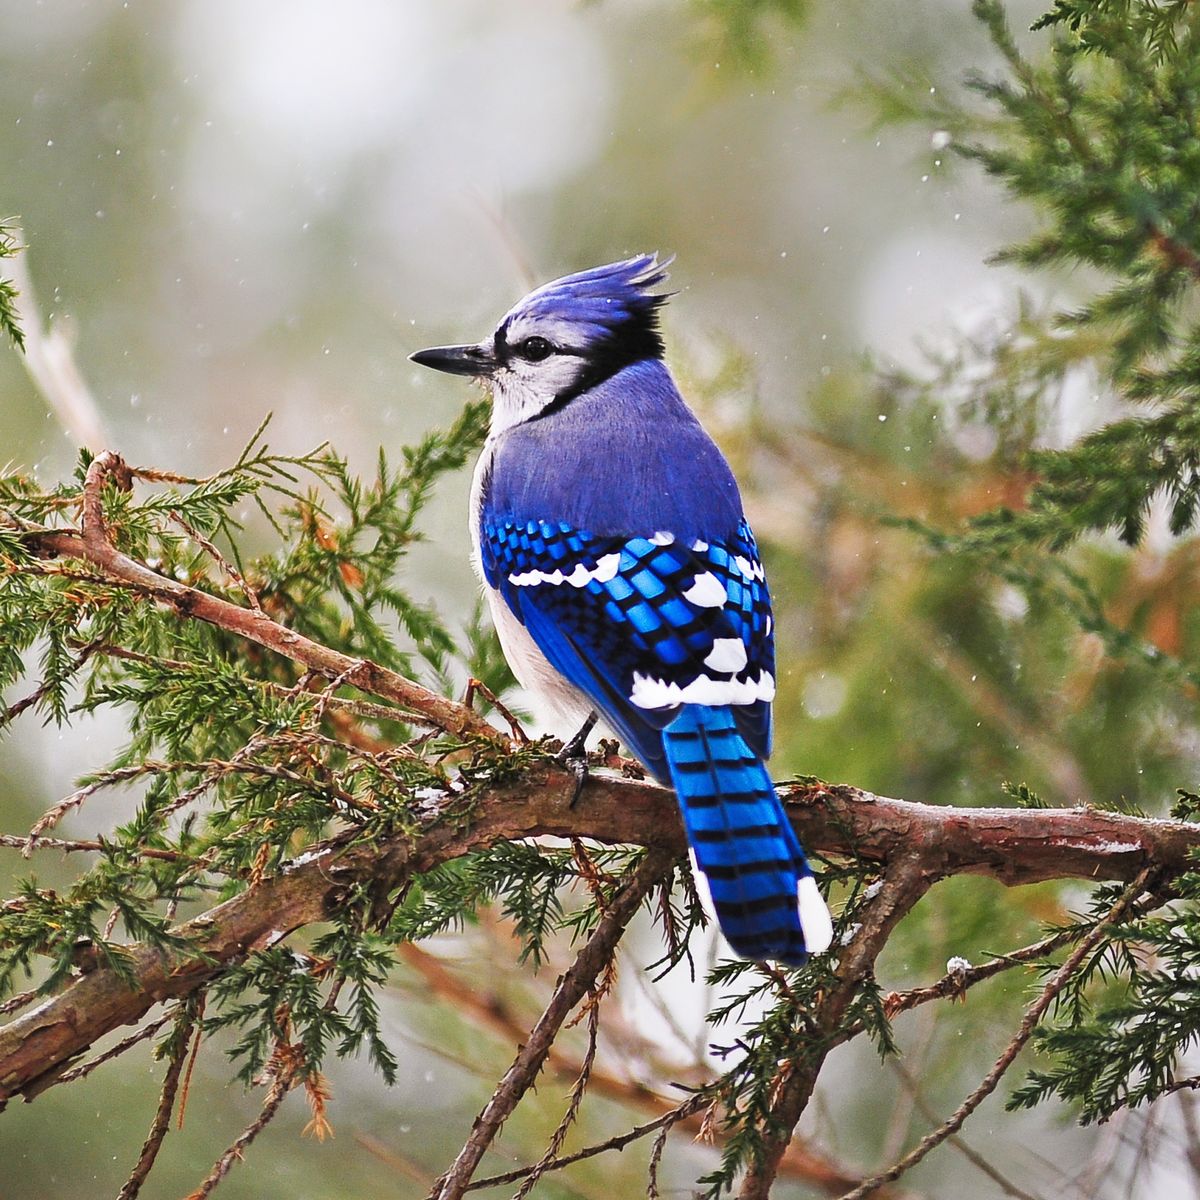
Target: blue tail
x=762, y=887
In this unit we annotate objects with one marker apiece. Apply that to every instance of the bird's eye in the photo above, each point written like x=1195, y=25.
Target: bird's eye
x=536, y=348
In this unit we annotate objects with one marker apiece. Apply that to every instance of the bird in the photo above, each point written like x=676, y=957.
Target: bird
x=624, y=581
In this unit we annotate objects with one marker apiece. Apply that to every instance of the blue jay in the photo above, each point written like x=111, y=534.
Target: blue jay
x=623, y=579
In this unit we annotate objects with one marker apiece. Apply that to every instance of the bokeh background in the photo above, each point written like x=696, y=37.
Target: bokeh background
x=240, y=208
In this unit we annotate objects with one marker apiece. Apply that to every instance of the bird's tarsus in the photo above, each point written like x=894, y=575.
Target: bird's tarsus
x=573, y=756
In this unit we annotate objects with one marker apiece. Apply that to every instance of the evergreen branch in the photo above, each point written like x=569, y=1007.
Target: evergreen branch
x=93, y=545
x=1029, y=1022
x=906, y=879
x=593, y=960
x=10, y=318
x=13, y=711
x=1014, y=846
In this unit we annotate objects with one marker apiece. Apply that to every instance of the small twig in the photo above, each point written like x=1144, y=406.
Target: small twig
x=210, y=548
x=1029, y=1022
x=187, y=1079
x=327, y=692
x=13, y=1003
x=477, y=685
x=660, y=1143
x=284, y=1077
x=166, y=1102
x=10, y=714
x=83, y=846
x=579, y=979
x=577, y=1093
x=955, y=983
x=85, y=1069
x=618, y=1142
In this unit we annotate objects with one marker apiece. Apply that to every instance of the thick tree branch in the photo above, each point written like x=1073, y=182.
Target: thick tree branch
x=1013, y=846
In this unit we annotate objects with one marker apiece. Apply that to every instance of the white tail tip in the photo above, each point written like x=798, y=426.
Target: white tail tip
x=815, y=920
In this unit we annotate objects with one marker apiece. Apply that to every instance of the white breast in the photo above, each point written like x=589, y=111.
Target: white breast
x=528, y=663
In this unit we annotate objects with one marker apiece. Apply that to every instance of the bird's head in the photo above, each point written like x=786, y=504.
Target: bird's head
x=562, y=339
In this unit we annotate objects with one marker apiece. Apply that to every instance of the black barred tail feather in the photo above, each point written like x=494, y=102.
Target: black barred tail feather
x=762, y=887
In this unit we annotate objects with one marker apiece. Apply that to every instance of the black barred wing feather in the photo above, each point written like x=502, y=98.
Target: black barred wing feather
x=643, y=625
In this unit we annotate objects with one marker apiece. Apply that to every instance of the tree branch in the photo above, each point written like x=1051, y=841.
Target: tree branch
x=1013, y=846
x=1029, y=1022
x=591, y=961
x=93, y=545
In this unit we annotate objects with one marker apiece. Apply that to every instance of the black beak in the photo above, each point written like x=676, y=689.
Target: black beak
x=477, y=361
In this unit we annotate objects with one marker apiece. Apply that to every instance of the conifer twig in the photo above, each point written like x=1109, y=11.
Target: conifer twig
x=619, y=1141
x=286, y=1070
x=1029, y=1022
x=92, y=544
x=181, y=1037
x=210, y=548
x=579, y=979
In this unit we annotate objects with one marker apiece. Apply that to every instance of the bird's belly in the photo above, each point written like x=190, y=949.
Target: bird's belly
x=533, y=671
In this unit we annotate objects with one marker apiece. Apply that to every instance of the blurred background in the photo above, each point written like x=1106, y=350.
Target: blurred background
x=242, y=208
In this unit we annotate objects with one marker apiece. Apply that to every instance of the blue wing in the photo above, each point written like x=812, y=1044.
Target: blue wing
x=643, y=625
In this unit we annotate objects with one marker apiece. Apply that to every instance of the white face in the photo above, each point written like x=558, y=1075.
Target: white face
x=541, y=363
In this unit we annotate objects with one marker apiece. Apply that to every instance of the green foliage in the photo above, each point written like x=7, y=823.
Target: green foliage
x=1097, y=137
x=1125, y=1050
x=740, y=34
x=1105, y=147
x=281, y=994
x=9, y=321
x=238, y=762
x=1093, y=23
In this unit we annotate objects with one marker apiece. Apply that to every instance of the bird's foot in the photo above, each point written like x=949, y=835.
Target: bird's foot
x=573, y=756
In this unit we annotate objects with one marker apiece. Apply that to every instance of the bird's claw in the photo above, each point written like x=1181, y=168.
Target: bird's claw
x=573, y=756
x=577, y=764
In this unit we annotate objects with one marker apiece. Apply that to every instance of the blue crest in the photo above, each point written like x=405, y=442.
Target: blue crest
x=600, y=305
